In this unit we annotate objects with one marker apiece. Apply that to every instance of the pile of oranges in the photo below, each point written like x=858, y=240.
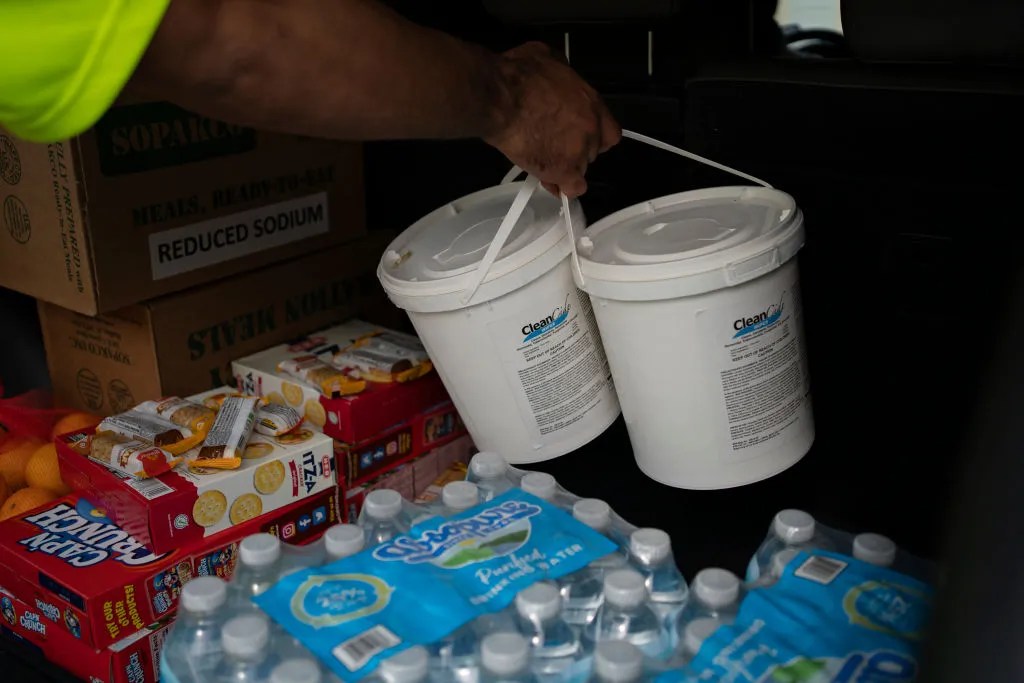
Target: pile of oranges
x=29, y=474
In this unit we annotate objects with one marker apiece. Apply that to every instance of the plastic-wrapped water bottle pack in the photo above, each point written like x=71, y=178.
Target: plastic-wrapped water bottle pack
x=509, y=577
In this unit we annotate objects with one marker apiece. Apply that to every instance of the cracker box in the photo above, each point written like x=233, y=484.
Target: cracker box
x=86, y=575
x=183, y=507
x=134, y=659
x=350, y=419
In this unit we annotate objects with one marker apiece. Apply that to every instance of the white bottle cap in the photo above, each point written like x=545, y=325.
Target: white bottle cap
x=259, y=550
x=781, y=559
x=245, y=636
x=618, y=661
x=650, y=546
x=624, y=588
x=343, y=540
x=297, y=670
x=460, y=495
x=487, y=465
x=595, y=513
x=540, y=484
x=541, y=602
x=874, y=548
x=716, y=588
x=794, y=526
x=505, y=654
x=697, y=631
x=204, y=594
x=383, y=504
x=408, y=666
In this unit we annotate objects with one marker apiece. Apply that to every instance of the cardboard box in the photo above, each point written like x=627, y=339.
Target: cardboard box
x=351, y=419
x=91, y=578
x=183, y=507
x=135, y=659
x=185, y=342
x=361, y=462
x=155, y=199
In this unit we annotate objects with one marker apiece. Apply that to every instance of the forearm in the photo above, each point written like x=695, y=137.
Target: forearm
x=349, y=69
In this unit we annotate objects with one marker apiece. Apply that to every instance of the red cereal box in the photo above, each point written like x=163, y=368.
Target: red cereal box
x=134, y=659
x=91, y=578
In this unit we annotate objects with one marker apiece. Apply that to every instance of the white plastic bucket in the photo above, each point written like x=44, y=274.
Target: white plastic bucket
x=698, y=302
x=519, y=350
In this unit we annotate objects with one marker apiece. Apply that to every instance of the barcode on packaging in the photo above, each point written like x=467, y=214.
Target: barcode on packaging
x=355, y=652
x=149, y=488
x=823, y=570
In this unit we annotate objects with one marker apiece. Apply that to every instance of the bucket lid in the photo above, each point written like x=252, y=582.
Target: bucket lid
x=431, y=265
x=690, y=243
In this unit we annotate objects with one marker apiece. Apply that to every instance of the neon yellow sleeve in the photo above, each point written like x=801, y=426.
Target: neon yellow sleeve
x=63, y=62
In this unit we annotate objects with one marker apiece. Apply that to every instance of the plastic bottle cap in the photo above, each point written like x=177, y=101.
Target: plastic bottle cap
x=487, y=465
x=540, y=484
x=245, y=636
x=383, y=504
x=716, y=588
x=460, y=495
x=650, y=546
x=794, y=526
x=624, y=588
x=781, y=559
x=875, y=549
x=593, y=512
x=408, y=666
x=298, y=670
x=697, y=631
x=204, y=594
x=618, y=661
x=342, y=540
x=541, y=601
x=259, y=550
x=505, y=653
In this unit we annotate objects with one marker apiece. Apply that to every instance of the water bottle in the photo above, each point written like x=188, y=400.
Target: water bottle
x=793, y=529
x=651, y=551
x=625, y=615
x=343, y=540
x=258, y=569
x=780, y=560
x=458, y=496
x=490, y=472
x=408, y=666
x=245, y=641
x=554, y=645
x=296, y=670
x=540, y=484
x=298, y=557
x=582, y=590
x=505, y=658
x=193, y=646
x=382, y=517
x=716, y=592
x=694, y=634
x=875, y=549
x=618, y=661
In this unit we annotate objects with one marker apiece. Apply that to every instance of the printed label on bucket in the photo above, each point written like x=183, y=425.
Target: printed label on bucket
x=554, y=352
x=760, y=355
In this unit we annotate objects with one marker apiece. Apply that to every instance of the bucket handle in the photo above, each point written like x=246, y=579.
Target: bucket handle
x=522, y=198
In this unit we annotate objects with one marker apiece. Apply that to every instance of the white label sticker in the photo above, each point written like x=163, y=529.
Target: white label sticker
x=179, y=250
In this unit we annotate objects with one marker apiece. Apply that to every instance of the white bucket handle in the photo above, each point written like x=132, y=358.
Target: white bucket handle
x=529, y=187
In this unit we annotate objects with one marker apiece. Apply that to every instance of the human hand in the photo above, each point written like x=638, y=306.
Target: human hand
x=557, y=124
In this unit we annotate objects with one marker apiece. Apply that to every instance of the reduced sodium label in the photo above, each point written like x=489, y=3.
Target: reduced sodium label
x=180, y=250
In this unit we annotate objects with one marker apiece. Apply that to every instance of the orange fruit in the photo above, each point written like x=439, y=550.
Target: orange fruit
x=24, y=500
x=74, y=422
x=43, y=472
x=13, y=461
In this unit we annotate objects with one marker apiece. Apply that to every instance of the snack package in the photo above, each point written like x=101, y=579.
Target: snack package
x=421, y=586
x=151, y=429
x=385, y=357
x=214, y=401
x=225, y=444
x=328, y=380
x=130, y=456
x=274, y=420
x=198, y=418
